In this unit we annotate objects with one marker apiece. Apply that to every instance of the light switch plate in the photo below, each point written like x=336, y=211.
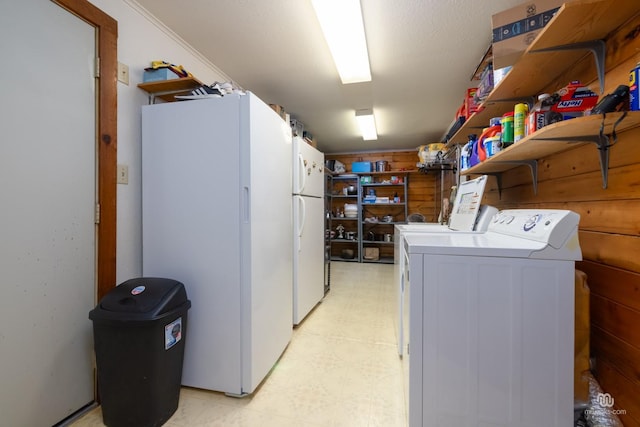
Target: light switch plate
x=123, y=73
x=123, y=174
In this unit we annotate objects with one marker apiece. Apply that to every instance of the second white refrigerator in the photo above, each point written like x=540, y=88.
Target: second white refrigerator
x=308, y=228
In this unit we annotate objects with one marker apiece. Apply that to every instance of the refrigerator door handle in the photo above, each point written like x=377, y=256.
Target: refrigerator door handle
x=245, y=205
x=302, y=176
x=301, y=220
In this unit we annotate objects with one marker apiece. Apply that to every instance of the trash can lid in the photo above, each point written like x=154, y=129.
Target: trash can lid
x=144, y=297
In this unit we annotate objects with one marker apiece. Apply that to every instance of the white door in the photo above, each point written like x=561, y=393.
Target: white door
x=47, y=194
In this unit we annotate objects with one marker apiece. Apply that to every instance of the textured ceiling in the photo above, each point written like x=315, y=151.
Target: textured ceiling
x=422, y=53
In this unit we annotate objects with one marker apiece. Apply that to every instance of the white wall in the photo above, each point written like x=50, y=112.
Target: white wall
x=141, y=39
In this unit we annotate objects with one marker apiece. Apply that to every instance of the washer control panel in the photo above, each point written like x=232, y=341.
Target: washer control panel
x=552, y=226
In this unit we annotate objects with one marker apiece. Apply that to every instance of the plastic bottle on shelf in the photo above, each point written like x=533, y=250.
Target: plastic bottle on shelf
x=465, y=153
x=535, y=119
x=520, y=112
x=506, y=133
x=634, y=89
x=473, y=157
x=492, y=144
x=484, y=152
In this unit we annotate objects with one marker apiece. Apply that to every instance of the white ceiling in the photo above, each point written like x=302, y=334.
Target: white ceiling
x=422, y=54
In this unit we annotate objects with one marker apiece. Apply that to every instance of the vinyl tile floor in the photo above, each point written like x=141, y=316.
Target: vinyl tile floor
x=341, y=367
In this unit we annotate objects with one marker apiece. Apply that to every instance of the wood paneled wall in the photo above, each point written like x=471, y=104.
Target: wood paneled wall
x=609, y=220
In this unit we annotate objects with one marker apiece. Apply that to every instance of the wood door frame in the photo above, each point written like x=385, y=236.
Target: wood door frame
x=106, y=135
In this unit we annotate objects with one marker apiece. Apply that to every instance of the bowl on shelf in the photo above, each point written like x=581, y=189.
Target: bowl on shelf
x=350, y=210
x=347, y=254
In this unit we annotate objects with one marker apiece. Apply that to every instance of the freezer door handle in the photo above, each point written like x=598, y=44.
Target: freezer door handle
x=302, y=174
x=245, y=205
x=301, y=213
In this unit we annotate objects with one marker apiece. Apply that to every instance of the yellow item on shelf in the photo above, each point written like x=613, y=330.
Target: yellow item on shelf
x=178, y=69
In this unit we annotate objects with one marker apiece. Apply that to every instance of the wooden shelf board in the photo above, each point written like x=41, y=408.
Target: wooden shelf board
x=549, y=140
x=533, y=71
x=584, y=20
x=168, y=89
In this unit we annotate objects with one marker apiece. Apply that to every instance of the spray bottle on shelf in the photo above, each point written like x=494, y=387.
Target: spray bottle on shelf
x=465, y=153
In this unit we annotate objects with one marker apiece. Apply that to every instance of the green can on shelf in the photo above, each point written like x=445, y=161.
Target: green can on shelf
x=507, y=129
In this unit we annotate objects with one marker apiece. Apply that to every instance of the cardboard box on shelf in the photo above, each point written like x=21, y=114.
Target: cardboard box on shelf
x=158, y=75
x=470, y=104
x=574, y=97
x=372, y=254
x=569, y=102
x=486, y=83
x=514, y=29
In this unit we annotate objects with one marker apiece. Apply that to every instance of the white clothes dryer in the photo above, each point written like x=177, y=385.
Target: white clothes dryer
x=491, y=322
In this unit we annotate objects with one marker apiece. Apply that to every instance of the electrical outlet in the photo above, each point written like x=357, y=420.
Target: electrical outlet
x=123, y=73
x=123, y=174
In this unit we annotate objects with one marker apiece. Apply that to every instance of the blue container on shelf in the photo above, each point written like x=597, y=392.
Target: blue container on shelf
x=361, y=167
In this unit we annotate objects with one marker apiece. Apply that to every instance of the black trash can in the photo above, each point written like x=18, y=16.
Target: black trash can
x=139, y=333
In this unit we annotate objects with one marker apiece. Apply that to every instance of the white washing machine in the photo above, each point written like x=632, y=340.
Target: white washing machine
x=491, y=322
x=467, y=216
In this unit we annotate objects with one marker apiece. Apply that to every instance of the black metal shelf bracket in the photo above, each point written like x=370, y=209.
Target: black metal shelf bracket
x=597, y=47
x=533, y=167
x=602, y=143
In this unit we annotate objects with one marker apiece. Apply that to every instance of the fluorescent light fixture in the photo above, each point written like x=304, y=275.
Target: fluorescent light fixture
x=341, y=23
x=367, y=123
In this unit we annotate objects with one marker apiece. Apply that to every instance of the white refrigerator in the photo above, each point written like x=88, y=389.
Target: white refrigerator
x=217, y=215
x=308, y=228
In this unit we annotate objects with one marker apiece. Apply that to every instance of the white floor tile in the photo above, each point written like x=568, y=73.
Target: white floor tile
x=340, y=369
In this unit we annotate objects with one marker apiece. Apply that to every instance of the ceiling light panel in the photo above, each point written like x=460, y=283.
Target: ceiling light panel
x=343, y=28
x=367, y=123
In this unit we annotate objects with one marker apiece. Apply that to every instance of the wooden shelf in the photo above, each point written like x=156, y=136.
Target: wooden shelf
x=168, y=89
x=556, y=138
x=537, y=67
